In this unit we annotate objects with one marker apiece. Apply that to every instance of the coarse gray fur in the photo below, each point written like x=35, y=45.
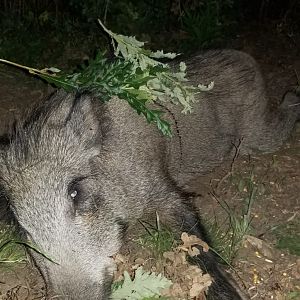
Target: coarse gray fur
x=78, y=172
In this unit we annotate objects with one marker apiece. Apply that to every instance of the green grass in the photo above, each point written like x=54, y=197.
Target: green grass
x=13, y=248
x=153, y=298
x=157, y=238
x=10, y=250
x=288, y=237
x=160, y=241
x=228, y=234
x=294, y=295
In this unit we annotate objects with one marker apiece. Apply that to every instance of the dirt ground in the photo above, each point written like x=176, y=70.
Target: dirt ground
x=264, y=270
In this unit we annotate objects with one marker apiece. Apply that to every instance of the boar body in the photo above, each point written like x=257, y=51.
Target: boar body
x=77, y=173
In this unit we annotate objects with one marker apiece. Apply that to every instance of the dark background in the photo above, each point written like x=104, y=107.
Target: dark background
x=63, y=33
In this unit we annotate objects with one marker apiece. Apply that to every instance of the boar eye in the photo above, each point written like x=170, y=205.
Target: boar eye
x=73, y=194
x=74, y=188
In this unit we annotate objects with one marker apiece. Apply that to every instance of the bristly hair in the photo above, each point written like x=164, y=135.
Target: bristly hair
x=32, y=139
x=26, y=133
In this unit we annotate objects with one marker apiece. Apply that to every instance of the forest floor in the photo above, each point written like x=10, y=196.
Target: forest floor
x=267, y=263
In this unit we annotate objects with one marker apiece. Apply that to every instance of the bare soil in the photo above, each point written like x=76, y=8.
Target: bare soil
x=264, y=270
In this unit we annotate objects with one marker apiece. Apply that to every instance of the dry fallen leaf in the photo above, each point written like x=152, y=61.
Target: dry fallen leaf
x=189, y=282
x=191, y=240
x=177, y=258
x=265, y=249
x=119, y=258
x=200, y=284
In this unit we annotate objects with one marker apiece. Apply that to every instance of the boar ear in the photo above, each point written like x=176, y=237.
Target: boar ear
x=87, y=118
x=52, y=111
x=78, y=114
